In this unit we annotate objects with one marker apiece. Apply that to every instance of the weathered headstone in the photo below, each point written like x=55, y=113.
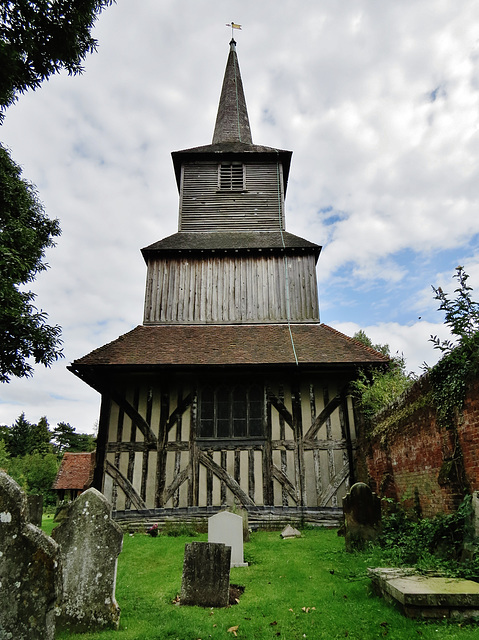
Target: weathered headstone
x=30, y=571
x=35, y=509
x=475, y=517
x=362, y=516
x=227, y=528
x=206, y=575
x=290, y=532
x=471, y=530
x=90, y=545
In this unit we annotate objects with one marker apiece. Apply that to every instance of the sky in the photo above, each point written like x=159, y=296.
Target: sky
x=379, y=102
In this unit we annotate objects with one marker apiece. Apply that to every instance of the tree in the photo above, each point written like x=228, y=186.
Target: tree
x=19, y=437
x=39, y=38
x=39, y=439
x=460, y=356
x=25, y=438
x=4, y=456
x=361, y=337
x=461, y=315
x=25, y=234
x=376, y=389
x=67, y=439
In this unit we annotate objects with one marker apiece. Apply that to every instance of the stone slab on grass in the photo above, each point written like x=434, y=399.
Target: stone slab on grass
x=420, y=596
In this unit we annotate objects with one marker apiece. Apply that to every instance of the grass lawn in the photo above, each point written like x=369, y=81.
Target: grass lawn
x=301, y=588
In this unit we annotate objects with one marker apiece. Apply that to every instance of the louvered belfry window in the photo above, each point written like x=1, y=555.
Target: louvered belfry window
x=231, y=176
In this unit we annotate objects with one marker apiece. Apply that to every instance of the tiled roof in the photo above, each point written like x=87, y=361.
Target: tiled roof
x=76, y=471
x=231, y=345
x=231, y=241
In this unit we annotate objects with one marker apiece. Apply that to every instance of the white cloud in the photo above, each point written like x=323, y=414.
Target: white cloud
x=378, y=101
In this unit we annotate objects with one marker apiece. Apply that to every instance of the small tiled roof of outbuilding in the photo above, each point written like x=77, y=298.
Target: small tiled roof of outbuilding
x=231, y=345
x=76, y=471
x=231, y=241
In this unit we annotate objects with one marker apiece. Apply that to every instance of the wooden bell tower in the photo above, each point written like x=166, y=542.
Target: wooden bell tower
x=231, y=391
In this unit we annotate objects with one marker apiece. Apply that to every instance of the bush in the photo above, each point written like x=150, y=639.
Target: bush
x=431, y=543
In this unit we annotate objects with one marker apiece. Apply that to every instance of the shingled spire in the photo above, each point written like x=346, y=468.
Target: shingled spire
x=232, y=123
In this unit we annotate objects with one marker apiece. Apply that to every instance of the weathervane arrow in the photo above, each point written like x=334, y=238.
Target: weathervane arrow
x=233, y=25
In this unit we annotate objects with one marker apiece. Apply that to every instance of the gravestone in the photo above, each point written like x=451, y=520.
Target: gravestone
x=90, y=545
x=362, y=516
x=475, y=517
x=30, y=570
x=471, y=530
x=35, y=509
x=290, y=532
x=206, y=575
x=227, y=528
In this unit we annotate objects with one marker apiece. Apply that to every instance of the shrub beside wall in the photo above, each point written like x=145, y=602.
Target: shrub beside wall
x=405, y=455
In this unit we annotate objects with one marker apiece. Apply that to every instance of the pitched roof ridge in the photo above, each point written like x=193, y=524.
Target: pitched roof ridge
x=353, y=341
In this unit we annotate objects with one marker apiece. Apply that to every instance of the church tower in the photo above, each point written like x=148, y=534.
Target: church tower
x=231, y=391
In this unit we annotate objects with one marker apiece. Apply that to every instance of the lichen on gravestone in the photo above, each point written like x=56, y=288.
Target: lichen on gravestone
x=30, y=570
x=90, y=545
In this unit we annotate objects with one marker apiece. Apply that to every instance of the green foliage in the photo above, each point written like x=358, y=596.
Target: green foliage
x=460, y=360
x=177, y=529
x=376, y=389
x=35, y=473
x=32, y=457
x=429, y=543
x=25, y=234
x=67, y=439
x=39, y=38
x=4, y=456
x=360, y=336
x=25, y=438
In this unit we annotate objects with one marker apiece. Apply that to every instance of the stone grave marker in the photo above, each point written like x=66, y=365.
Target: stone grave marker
x=362, y=516
x=475, y=517
x=290, y=532
x=206, y=575
x=471, y=538
x=35, y=509
x=30, y=570
x=227, y=528
x=90, y=545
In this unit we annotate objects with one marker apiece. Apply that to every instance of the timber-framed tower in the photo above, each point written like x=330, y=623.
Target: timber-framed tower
x=231, y=391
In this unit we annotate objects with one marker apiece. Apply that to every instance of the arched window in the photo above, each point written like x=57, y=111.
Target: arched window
x=231, y=412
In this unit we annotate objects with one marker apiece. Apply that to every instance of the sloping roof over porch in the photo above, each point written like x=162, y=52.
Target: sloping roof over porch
x=230, y=345
x=76, y=471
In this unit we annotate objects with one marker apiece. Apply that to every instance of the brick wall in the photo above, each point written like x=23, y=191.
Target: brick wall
x=411, y=459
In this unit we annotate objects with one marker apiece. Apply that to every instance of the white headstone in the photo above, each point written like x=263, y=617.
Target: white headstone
x=227, y=528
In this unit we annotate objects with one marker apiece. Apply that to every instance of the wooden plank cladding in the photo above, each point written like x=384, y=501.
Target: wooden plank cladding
x=229, y=289
x=205, y=206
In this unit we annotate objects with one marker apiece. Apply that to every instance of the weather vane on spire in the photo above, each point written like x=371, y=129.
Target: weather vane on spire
x=233, y=25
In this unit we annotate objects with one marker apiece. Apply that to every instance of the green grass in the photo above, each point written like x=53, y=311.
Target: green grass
x=294, y=589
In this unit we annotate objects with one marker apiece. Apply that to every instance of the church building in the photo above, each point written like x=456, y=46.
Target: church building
x=231, y=391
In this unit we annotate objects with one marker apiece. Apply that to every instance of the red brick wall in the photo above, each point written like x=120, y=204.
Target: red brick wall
x=411, y=459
